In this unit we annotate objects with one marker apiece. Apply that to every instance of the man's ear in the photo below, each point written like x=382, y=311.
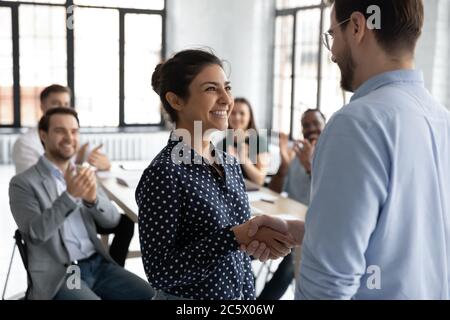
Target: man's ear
x=175, y=102
x=43, y=136
x=43, y=108
x=358, y=26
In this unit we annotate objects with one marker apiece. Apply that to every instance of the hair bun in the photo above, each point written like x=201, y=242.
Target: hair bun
x=156, y=78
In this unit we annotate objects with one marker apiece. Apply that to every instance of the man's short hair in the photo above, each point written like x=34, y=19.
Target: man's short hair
x=54, y=88
x=401, y=21
x=315, y=110
x=44, y=122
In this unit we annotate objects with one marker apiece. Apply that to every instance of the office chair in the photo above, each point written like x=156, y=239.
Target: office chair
x=22, y=246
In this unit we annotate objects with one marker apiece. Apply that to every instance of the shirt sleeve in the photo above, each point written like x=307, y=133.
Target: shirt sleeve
x=349, y=186
x=24, y=155
x=166, y=263
x=37, y=223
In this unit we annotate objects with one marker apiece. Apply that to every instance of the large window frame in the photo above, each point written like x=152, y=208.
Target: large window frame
x=70, y=51
x=293, y=13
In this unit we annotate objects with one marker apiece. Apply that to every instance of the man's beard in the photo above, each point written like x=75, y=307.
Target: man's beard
x=59, y=156
x=347, y=67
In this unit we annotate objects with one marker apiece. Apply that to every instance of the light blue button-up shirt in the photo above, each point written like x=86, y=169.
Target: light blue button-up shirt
x=297, y=183
x=378, y=223
x=75, y=235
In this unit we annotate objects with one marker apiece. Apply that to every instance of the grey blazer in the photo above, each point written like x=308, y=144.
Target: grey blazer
x=40, y=213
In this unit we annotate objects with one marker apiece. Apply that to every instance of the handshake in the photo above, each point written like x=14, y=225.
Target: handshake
x=267, y=237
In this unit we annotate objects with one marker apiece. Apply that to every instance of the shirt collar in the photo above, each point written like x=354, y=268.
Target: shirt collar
x=397, y=76
x=54, y=170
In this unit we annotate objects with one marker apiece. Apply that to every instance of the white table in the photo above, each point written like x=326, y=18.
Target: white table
x=263, y=201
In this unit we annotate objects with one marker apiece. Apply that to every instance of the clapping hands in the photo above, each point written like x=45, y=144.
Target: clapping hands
x=81, y=185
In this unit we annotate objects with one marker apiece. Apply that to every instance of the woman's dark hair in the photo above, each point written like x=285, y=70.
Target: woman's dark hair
x=401, y=20
x=176, y=74
x=251, y=124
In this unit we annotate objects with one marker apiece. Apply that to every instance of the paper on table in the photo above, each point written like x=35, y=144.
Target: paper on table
x=258, y=196
x=129, y=178
x=104, y=174
x=134, y=165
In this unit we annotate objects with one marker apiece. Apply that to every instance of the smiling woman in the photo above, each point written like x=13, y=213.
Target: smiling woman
x=193, y=213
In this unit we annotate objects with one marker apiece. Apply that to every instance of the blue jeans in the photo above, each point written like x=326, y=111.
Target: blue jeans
x=101, y=279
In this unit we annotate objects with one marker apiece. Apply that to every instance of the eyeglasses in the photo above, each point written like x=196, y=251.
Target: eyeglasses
x=327, y=37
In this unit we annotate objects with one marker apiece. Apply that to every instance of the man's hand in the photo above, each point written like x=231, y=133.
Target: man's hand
x=90, y=194
x=82, y=185
x=305, y=153
x=280, y=245
x=286, y=154
x=275, y=244
x=81, y=154
x=257, y=249
x=99, y=160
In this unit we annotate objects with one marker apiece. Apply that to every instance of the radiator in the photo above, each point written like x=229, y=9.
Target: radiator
x=118, y=146
x=6, y=144
x=128, y=146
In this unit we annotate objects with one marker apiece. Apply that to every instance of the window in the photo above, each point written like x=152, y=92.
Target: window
x=97, y=66
x=283, y=73
x=285, y=4
x=304, y=76
x=135, y=4
x=106, y=56
x=43, y=57
x=43, y=1
x=6, y=68
x=142, y=104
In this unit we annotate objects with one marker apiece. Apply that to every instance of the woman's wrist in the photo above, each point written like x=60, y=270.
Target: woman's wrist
x=241, y=233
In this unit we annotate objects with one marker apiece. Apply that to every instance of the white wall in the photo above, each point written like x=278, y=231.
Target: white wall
x=433, y=50
x=240, y=31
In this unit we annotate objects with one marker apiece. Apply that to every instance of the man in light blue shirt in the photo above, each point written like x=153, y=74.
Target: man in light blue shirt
x=378, y=223
x=294, y=178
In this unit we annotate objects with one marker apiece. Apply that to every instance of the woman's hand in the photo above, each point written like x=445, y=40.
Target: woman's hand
x=274, y=244
x=258, y=249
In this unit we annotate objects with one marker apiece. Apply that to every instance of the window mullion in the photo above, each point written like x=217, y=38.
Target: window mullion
x=70, y=51
x=121, y=68
x=16, y=64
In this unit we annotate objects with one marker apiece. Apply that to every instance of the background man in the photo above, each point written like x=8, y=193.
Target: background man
x=56, y=211
x=28, y=149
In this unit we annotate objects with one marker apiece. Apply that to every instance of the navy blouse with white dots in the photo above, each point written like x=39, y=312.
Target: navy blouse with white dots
x=186, y=210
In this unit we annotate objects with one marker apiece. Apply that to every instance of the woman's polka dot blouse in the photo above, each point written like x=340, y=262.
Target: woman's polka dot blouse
x=186, y=210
